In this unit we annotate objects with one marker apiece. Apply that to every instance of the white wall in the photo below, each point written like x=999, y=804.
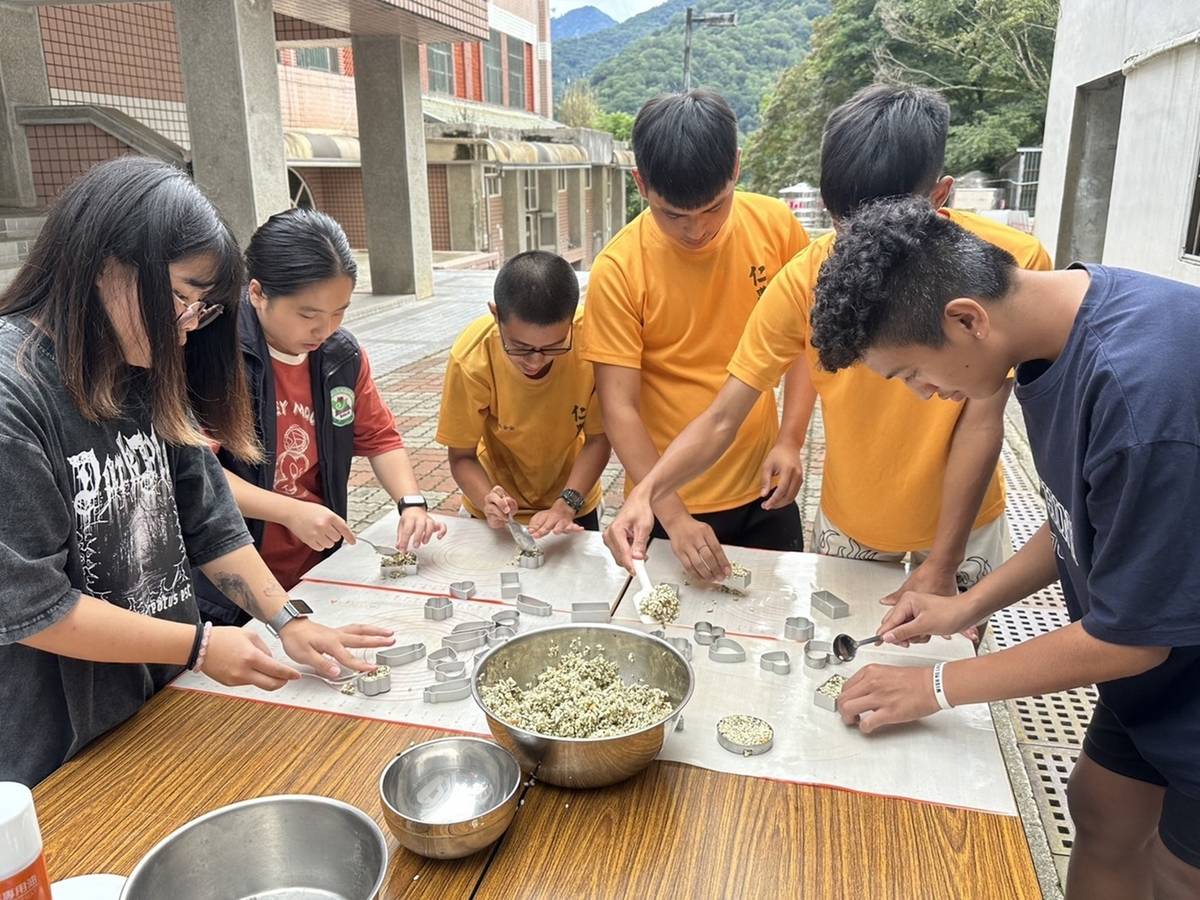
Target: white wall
x=1158, y=150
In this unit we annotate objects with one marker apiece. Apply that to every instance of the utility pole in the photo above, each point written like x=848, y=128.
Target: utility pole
x=719, y=20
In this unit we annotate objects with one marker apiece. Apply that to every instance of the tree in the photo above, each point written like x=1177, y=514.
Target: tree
x=618, y=124
x=990, y=58
x=578, y=107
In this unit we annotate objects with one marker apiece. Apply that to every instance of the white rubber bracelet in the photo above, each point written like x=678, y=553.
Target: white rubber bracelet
x=939, y=687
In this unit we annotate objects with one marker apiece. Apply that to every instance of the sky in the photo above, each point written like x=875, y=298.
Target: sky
x=618, y=9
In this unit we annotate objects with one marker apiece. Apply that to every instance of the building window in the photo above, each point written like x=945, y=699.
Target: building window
x=516, y=72
x=440, y=63
x=491, y=182
x=321, y=59
x=529, y=184
x=493, y=70
x=1191, y=243
x=562, y=179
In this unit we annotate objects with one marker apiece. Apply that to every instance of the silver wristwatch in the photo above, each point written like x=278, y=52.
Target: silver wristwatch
x=289, y=612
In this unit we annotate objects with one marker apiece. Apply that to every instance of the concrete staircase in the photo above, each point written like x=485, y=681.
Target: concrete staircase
x=18, y=230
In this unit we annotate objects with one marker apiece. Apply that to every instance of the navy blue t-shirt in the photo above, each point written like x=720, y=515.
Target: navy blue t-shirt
x=1114, y=425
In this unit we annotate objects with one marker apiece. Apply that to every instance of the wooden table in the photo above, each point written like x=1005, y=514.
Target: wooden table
x=673, y=832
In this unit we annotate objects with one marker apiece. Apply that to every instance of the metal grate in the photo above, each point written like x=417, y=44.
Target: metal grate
x=1015, y=624
x=1015, y=479
x=1048, y=774
x=1056, y=720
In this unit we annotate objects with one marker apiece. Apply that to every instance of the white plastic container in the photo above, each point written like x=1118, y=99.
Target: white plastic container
x=22, y=860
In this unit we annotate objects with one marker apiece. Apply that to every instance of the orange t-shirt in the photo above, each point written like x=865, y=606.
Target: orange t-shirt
x=676, y=314
x=297, y=474
x=885, y=448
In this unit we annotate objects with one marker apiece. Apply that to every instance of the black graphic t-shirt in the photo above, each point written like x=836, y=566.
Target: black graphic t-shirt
x=1114, y=425
x=104, y=509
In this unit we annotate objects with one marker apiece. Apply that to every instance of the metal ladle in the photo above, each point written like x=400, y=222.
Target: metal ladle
x=845, y=647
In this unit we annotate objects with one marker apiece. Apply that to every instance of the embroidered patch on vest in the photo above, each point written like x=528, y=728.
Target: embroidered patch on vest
x=341, y=406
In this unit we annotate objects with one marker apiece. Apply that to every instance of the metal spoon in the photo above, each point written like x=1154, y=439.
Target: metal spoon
x=845, y=647
x=379, y=548
x=521, y=535
x=344, y=678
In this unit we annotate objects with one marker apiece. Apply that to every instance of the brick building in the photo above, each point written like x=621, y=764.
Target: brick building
x=461, y=163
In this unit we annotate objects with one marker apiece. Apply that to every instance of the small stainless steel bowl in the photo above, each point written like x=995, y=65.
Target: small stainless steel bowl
x=586, y=762
x=450, y=797
x=290, y=845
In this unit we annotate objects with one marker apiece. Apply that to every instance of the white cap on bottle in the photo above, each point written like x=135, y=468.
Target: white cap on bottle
x=20, y=837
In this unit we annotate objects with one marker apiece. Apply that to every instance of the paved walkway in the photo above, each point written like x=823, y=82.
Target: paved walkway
x=407, y=342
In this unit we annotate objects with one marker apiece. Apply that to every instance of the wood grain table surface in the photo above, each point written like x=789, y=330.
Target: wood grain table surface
x=675, y=831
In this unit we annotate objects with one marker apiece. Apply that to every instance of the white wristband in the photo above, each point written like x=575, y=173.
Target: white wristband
x=939, y=687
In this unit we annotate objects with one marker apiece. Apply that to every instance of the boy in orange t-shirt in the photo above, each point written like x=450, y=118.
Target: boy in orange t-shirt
x=902, y=476
x=666, y=302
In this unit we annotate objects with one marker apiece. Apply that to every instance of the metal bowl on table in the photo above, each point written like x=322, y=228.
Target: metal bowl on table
x=451, y=797
x=586, y=762
x=290, y=845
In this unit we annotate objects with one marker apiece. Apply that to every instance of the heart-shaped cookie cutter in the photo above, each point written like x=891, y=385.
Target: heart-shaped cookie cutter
x=508, y=618
x=726, y=650
x=462, y=590
x=500, y=634
x=816, y=654
x=448, y=671
x=704, y=633
x=437, y=657
x=777, y=661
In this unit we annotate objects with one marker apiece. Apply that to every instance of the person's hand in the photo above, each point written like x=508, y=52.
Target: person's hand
x=498, y=506
x=629, y=533
x=782, y=475
x=696, y=546
x=417, y=527
x=236, y=657
x=916, y=617
x=313, y=644
x=558, y=519
x=319, y=527
x=887, y=695
x=932, y=577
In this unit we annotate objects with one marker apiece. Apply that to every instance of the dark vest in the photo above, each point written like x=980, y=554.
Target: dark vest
x=334, y=367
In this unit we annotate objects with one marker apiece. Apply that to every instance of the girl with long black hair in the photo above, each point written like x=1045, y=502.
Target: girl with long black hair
x=118, y=355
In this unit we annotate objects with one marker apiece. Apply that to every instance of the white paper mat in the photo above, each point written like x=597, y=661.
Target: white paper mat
x=780, y=586
x=404, y=613
x=577, y=566
x=950, y=758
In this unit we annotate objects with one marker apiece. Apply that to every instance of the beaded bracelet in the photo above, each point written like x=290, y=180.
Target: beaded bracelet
x=208, y=627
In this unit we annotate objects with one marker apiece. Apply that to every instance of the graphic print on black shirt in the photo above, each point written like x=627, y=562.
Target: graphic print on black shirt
x=127, y=525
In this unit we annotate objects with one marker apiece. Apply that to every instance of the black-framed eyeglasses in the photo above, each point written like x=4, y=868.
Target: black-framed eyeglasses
x=198, y=312
x=544, y=351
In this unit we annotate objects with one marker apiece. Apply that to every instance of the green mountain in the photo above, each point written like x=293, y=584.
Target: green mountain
x=643, y=56
x=580, y=22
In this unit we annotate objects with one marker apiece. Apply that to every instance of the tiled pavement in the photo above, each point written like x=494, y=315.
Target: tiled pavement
x=1040, y=736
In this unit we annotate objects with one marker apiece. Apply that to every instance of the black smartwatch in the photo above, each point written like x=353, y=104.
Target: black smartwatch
x=410, y=500
x=573, y=499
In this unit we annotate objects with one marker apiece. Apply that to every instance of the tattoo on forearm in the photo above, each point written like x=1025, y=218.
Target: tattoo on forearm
x=235, y=588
